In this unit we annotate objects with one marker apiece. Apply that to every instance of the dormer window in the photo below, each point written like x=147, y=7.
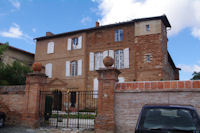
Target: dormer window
x=147, y=27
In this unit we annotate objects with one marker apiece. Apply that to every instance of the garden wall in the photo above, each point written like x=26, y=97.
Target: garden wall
x=130, y=97
x=12, y=102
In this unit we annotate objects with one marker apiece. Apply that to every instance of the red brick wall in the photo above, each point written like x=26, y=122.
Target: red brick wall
x=130, y=97
x=13, y=104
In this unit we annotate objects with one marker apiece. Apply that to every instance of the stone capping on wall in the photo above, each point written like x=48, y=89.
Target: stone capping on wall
x=14, y=89
x=145, y=86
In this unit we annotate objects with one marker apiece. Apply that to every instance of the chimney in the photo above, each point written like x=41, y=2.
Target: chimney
x=49, y=34
x=97, y=24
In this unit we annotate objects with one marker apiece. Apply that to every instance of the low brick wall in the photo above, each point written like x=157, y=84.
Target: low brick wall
x=12, y=102
x=130, y=97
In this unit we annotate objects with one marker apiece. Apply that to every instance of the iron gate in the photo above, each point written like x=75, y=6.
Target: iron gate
x=73, y=109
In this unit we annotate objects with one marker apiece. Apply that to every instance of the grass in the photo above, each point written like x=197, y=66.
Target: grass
x=80, y=116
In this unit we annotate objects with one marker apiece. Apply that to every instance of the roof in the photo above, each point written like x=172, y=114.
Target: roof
x=11, y=47
x=163, y=18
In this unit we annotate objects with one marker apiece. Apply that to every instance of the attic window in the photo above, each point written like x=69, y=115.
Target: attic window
x=147, y=27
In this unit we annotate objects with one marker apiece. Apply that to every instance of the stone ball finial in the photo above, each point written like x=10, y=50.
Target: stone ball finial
x=37, y=66
x=108, y=61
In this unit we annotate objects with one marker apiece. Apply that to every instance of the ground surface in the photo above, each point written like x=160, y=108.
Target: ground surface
x=42, y=130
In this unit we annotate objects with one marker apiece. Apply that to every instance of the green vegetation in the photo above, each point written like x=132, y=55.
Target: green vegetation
x=80, y=116
x=14, y=74
x=196, y=76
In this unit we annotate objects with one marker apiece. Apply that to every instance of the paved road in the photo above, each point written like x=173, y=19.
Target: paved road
x=42, y=130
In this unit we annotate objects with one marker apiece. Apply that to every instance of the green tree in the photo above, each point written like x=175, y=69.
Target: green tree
x=3, y=48
x=196, y=75
x=14, y=74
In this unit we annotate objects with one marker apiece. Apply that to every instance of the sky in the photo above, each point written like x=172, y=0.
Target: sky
x=23, y=20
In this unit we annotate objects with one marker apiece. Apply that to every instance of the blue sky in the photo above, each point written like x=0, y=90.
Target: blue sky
x=23, y=20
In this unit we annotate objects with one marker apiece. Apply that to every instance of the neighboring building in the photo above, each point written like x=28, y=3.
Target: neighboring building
x=14, y=54
x=139, y=48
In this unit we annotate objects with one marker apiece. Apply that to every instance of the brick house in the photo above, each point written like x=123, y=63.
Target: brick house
x=139, y=48
x=14, y=54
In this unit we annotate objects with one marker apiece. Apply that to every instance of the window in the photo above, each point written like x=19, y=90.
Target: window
x=98, y=60
x=50, y=48
x=48, y=70
x=75, y=43
x=119, y=59
x=118, y=35
x=147, y=27
x=74, y=68
x=148, y=58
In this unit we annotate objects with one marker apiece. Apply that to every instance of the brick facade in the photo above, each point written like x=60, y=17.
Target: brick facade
x=102, y=38
x=130, y=97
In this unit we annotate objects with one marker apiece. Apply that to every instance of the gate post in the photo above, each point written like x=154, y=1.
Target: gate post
x=108, y=77
x=34, y=83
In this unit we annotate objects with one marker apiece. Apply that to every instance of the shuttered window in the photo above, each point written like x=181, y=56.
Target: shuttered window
x=119, y=59
x=67, y=68
x=74, y=68
x=126, y=58
x=98, y=60
x=69, y=44
x=48, y=70
x=50, y=48
x=91, y=67
x=75, y=43
x=79, y=67
x=95, y=88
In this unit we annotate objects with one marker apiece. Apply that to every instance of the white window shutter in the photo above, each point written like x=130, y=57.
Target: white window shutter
x=50, y=48
x=69, y=44
x=126, y=58
x=79, y=67
x=105, y=53
x=80, y=42
x=91, y=68
x=48, y=70
x=67, y=69
x=121, y=79
x=111, y=53
x=95, y=88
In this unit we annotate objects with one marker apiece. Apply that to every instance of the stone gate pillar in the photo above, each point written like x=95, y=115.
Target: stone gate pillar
x=107, y=77
x=34, y=83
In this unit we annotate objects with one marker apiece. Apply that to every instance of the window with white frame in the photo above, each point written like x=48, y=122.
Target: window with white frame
x=74, y=68
x=118, y=35
x=48, y=70
x=75, y=43
x=119, y=59
x=50, y=48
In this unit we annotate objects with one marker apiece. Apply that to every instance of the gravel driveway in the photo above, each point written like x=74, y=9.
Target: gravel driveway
x=42, y=130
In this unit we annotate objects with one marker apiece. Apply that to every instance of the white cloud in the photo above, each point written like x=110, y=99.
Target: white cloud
x=16, y=33
x=181, y=13
x=13, y=32
x=15, y=3
x=189, y=68
x=86, y=20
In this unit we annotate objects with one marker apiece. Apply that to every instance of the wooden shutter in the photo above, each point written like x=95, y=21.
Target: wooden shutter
x=79, y=67
x=126, y=58
x=50, y=48
x=91, y=68
x=80, y=42
x=69, y=44
x=48, y=70
x=67, y=68
x=95, y=87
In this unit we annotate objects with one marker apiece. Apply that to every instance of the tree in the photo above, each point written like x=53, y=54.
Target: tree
x=196, y=75
x=3, y=48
